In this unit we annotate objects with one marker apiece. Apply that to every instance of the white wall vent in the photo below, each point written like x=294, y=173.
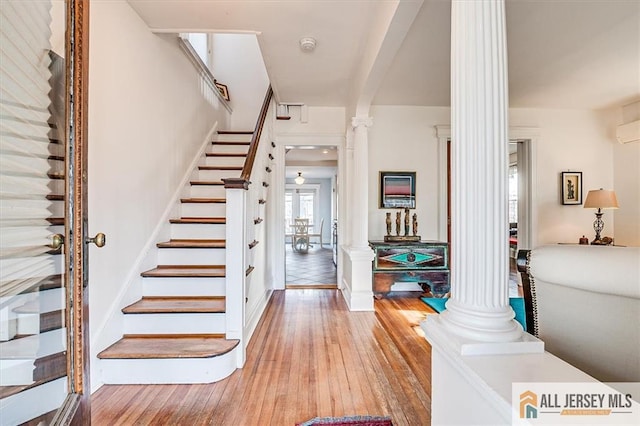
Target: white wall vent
x=630, y=132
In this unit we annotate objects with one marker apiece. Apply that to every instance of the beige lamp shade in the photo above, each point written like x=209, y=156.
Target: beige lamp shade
x=601, y=199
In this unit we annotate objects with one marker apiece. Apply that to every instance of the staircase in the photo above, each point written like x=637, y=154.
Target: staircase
x=176, y=332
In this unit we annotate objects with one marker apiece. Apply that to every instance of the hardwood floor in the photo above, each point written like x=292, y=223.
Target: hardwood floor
x=309, y=357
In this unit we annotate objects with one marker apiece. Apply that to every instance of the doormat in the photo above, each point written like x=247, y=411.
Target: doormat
x=349, y=421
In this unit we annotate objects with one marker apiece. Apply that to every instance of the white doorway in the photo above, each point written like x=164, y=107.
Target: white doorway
x=520, y=193
x=310, y=193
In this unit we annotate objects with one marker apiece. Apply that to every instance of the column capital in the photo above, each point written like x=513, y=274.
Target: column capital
x=361, y=121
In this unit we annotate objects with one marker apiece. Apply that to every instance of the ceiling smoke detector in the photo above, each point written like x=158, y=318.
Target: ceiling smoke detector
x=307, y=44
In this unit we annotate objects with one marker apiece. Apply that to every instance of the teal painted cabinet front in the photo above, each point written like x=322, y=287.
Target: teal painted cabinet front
x=424, y=262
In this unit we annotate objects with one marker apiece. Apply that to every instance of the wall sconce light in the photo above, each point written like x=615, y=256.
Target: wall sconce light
x=600, y=199
x=299, y=180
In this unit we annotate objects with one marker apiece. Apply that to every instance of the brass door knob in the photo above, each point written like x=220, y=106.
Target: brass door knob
x=99, y=240
x=57, y=241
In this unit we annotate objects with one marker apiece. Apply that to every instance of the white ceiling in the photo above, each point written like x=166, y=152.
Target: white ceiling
x=312, y=162
x=562, y=54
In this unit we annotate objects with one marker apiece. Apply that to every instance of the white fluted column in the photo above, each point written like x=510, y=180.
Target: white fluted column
x=357, y=287
x=479, y=307
x=360, y=183
x=345, y=194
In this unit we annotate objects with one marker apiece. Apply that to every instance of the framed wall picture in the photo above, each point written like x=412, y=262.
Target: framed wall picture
x=571, y=184
x=397, y=190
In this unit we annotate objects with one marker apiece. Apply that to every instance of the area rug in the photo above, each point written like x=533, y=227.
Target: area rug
x=349, y=421
x=517, y=304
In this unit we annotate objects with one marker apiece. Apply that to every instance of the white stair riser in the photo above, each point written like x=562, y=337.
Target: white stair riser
x=232, y=137
x=36, y=346
x=57, y=186
x=203, y=209
x=215, y=174
x=225, y=161
x=207, y=191
x=191, y=256
x=229, y=148
x=16, y=372
x=197, y=230
x=20, y=407
x=174, y=323
x=56, y=165
x=165, y=371
x=40, y=302
x=57, y=150
x=57, y=229
x=57, y=208
x=183, y=286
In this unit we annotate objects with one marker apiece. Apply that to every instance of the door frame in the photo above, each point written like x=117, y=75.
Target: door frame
x=76, y=408
x=527, y=235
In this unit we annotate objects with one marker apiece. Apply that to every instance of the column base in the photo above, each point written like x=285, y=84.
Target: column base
x=357, y=287
x=486, y=325
x=437, y=327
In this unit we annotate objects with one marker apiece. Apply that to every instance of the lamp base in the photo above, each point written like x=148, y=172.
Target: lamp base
x=605, y=241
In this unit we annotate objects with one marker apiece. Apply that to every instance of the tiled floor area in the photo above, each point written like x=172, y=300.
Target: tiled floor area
x=312, y=268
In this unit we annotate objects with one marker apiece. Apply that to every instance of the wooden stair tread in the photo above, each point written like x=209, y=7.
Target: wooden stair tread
x=186, y=271
x=180, y=243
x=235, y=132
x=226, y=154
x=226, y=168
x=206, y=182
x=171, y=346
x=56, y=221
x=205, y=220
x=203, y=200
x=172, y=305
x=238, y=143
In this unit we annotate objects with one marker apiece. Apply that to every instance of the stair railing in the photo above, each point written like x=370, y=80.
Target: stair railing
x=245, y=233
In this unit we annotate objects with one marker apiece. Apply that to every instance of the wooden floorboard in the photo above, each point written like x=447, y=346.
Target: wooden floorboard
x=310, y=356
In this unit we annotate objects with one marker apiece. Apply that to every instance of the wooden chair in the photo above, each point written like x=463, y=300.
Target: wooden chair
x=300, y=239
x=318, y=234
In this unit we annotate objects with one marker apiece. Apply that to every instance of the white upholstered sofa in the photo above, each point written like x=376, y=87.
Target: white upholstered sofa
x=586, y=306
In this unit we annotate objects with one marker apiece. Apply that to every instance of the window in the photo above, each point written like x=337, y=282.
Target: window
x=301, y=201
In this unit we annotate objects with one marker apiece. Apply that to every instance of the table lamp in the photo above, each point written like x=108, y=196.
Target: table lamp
x=600, y=199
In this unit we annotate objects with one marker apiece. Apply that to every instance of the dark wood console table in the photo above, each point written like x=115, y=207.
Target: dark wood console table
x=423, y=262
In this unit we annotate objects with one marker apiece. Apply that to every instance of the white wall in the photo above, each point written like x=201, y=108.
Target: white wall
x=626, y=177
x=572, y=140
x=237, y=63
x=321, y=121
x=144, y=132
x=626, y=172
x=403, y=138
